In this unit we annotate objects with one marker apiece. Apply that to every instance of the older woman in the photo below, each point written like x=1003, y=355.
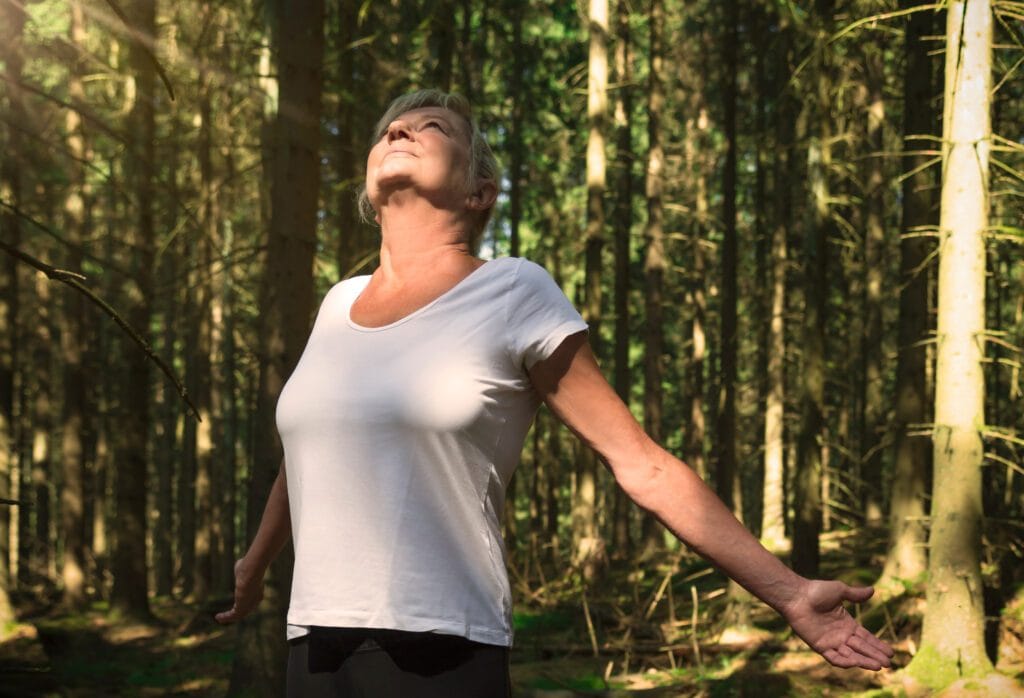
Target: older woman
x=403, y=423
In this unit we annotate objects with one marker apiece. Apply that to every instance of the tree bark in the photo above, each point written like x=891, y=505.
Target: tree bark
x=623, y=224
x=12, y=24
x=286, y=306
x=906, y=559
x=952, y=639
x=588, y=546
x=808, y=477
x=773, y=510
x=129, y=595
x=72, y=494
x=873, y=426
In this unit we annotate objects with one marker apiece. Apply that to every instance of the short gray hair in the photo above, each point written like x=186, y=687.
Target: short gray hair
x=482, y=163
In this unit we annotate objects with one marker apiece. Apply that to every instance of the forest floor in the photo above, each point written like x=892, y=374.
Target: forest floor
x=642, y=628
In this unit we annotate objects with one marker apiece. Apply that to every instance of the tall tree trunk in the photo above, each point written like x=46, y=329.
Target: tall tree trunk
x=695, y=431
x=655, y=262
x=12, y=24
x=906, y=557
x=809, y=466
x=952, y=639
x=129, y=594
x=286, y=305
x=773, y=510
x=72, y=494
x=589, y=553
x=874, y=267
x=516, y=145
x=725, y=472
x=202, y=572
x=40, y=549
x=727, y=478
x=623, y=225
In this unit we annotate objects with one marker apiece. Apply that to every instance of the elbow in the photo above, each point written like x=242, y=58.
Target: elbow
x=642, y=474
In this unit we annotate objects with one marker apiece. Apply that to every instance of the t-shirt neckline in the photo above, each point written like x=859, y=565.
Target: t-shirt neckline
x=419, y=311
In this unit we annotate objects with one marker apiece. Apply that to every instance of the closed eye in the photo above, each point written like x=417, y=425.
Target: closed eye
x=436, y=124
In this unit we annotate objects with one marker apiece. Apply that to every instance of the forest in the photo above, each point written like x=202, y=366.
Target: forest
x=794, y=229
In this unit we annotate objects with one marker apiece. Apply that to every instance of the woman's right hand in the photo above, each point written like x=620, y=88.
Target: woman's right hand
x=248, y=594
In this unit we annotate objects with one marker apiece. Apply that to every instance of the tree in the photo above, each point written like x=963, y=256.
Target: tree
x=906, y=557
x=589, y=554
x=129, y=594
x=286, y=305
x=952, y=639
x=72, y=492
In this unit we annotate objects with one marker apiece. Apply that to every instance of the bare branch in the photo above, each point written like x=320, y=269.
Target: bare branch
x=74, y=279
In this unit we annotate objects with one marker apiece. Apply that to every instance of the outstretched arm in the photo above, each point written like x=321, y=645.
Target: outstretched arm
x=273, y=533
x=572, y=385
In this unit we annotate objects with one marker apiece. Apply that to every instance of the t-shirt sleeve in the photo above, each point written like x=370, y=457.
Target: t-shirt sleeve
x=539, y=315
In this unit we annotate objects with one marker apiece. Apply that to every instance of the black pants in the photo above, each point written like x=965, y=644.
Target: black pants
x=363, y=663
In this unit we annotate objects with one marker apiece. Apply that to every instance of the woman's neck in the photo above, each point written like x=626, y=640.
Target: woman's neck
x=421, y=240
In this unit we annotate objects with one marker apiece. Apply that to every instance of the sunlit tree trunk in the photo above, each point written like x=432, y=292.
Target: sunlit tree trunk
x=286, y=306
x=906, y=558
x=699, y=144
x=72, y=494
x=952, y=639
x=588, y=547
x=773, y=518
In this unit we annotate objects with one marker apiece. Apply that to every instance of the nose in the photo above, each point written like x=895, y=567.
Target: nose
x=398, y=129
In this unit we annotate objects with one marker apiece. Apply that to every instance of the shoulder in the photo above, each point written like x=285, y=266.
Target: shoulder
x=522, y=273
x=345, y=291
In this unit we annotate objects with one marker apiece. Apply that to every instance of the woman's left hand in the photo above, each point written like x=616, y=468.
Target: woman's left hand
x=818, y=616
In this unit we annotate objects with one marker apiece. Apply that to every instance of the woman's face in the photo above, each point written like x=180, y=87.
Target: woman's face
x=426, y=151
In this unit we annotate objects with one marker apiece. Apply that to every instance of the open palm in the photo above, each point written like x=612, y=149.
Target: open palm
x=820, y=619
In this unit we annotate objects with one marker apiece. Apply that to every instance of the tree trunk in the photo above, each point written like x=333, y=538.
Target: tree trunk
x=623, y=225
x=286, y=305
x=40, y=548
x=906, y=559
x=808, y=477
x=952, y=639
x=72, y=494
x=655, y=261
x=773, y=510
x=12, y=24
x=129, y=595
x=874, y=410
x=589, y=553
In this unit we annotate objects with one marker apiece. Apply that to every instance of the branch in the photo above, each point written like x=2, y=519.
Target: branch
x=12, y=502
x=74, y=279
x=137, y=37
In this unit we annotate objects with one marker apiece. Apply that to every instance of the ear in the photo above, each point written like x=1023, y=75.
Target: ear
x=483, y=197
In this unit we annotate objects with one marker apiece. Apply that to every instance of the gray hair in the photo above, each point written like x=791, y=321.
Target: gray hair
x=482, y=163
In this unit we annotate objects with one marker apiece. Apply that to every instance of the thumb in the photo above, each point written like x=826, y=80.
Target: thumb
x=858, y=594
x=227, y=617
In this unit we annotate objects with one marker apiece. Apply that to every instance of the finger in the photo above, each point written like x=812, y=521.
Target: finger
x=858, y=594
x=868, y=649
x=836, y=659
x=879, y=644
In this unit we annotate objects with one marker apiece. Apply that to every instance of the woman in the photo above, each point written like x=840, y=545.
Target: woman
x=403, y=422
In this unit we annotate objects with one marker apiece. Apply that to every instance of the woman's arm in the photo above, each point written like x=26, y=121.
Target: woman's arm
x=572, y=385
x=274, y=532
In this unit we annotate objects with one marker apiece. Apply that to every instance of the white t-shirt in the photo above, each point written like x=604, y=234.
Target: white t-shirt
x=399, y=442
